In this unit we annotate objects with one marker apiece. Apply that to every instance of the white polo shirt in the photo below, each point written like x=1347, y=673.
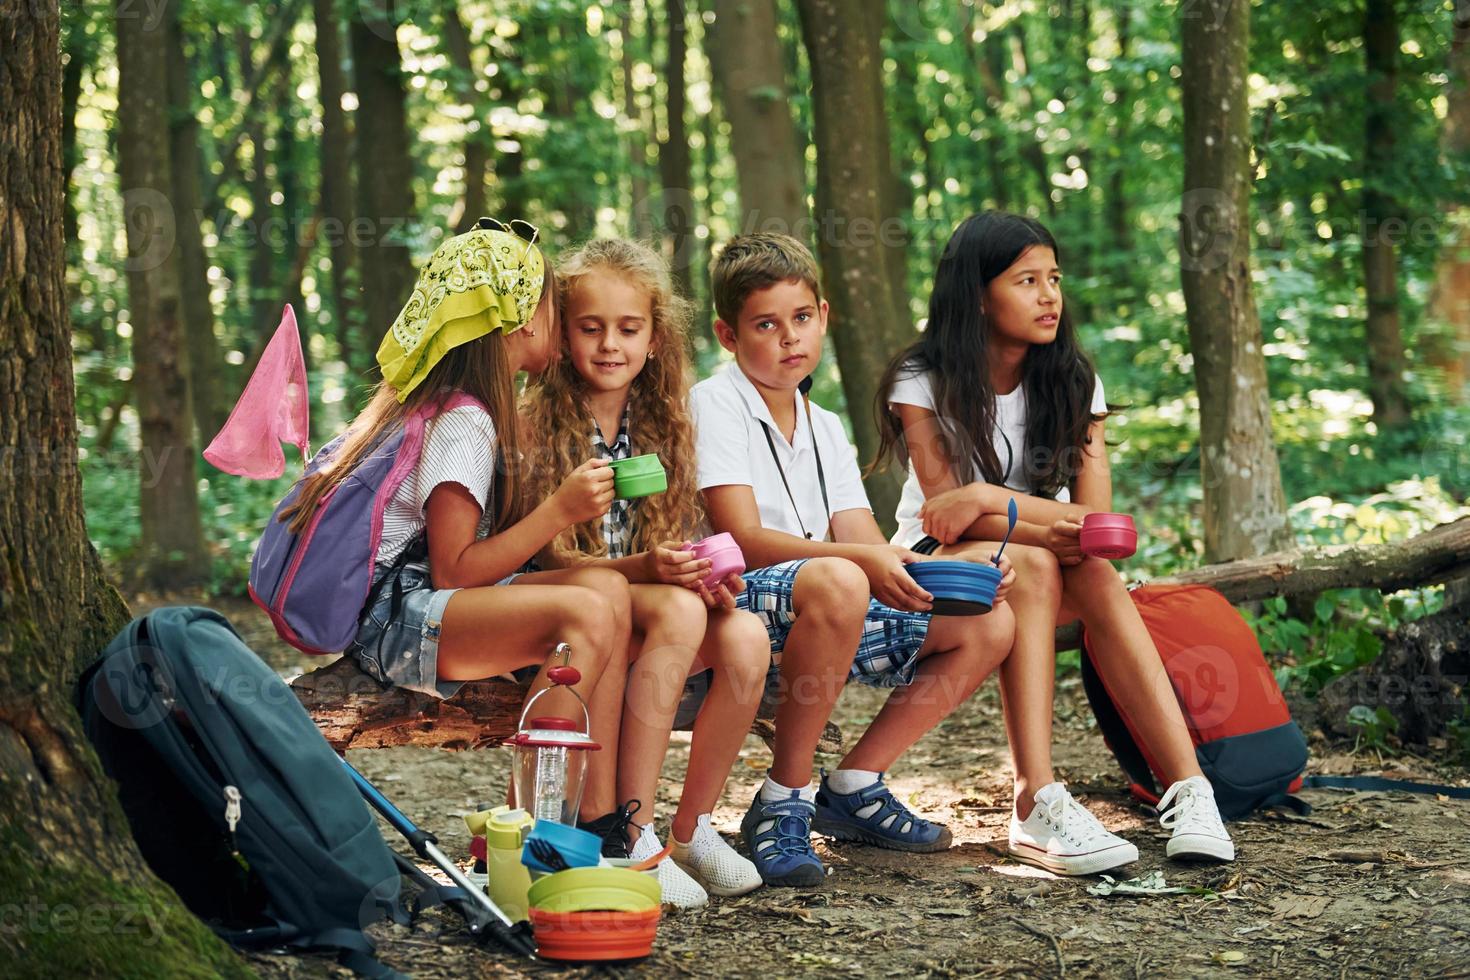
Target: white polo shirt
x=731, y=420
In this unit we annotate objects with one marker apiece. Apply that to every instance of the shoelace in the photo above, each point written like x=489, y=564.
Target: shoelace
x=1073, y=820
x=790, y=835
x=1190, y=807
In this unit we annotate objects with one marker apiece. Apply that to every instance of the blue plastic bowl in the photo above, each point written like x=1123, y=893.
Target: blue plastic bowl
x=960, y=588
x=578, y=848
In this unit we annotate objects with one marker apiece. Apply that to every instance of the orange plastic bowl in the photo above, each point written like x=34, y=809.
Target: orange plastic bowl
x=590, y=936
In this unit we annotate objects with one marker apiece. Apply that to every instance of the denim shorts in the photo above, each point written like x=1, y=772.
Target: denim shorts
x=402, y=648
x=887, y=655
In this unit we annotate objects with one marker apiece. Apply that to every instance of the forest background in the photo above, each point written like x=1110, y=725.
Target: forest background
x=313, y=151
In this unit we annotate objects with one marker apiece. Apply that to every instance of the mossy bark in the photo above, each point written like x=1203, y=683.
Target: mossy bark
x=76, y=898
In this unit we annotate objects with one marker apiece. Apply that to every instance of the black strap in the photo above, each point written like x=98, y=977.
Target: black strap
x=821, y=473
x=1378, y=784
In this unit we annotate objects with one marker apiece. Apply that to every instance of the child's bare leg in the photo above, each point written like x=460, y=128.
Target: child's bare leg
x=669, y=626
x=830, y=598
x=1028, y=675
x=1131, y=667
x=605, y=699
x=738, y=650
x=958, y=654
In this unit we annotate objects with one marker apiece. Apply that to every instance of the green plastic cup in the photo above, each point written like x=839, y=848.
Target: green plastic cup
x=639, y=476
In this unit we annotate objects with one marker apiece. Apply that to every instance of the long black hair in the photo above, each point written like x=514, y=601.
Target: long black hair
x=954, y=350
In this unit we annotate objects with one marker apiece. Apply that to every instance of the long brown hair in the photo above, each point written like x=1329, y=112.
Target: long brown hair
x=559, y=419
x=954, y=350
x=481, y=369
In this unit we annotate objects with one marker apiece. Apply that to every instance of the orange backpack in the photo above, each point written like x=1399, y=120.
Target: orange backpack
x=1248, y=745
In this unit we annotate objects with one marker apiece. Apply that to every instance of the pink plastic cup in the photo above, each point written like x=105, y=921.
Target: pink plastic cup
x=1110, y=536
x=725, y=555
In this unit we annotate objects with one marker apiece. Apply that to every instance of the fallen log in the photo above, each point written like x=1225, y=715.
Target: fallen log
x=1438, y=555
x=354, y=711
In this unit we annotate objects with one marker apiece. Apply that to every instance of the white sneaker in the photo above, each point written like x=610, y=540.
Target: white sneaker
x=1199, y=833
x=715, y=864
x=1062, y=837
x=679, y=890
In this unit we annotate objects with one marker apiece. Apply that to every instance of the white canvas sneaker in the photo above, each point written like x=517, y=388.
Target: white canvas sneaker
x=1199, y=833
x=679, y=890
x=713, y=863
x=1062, y=837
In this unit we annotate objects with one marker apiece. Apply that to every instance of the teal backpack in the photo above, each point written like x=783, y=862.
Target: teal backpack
x=233, y=795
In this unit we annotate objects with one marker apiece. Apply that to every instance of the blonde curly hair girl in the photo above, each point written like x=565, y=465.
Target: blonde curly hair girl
x=560, y=424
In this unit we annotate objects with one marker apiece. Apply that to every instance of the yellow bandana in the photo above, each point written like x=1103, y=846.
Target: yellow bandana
x=485, y=280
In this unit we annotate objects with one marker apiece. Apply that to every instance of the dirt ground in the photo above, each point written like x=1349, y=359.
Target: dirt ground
x=1369, y=884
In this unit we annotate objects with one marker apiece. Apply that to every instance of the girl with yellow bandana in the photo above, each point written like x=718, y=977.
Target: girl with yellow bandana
x=454, y=605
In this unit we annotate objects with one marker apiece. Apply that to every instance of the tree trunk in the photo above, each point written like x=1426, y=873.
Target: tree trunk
x=384, y=167
x=1031, y=149
x=80, y=49
x=1245, y=509
x=635, y=127
x=263, y=299
x=354, y=711
x=472, y=204
x=209, y=393
x=87, y=904
x=744, y=51
x=1449, y=300
x=854, y=169
x=1120, y=224
x=173, y=553
x=1386, y=382
x=674, y=159
x=336, y=192
x=1441, y=554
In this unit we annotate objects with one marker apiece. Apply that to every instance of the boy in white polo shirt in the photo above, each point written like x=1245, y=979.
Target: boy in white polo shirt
x=779, y=474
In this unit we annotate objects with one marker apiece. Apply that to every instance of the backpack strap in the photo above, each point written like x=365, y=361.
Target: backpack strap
x=354, y=951
x=1371, y=784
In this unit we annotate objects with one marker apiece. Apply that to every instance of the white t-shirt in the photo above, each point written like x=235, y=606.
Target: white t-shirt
x=731, y=420
x=916, y=388
x=459, y=447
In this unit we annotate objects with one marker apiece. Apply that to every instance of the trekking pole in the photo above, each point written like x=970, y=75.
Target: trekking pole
x=425, y=845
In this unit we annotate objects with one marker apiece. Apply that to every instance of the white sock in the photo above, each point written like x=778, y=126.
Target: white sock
x=774, y=792
x=847, y=781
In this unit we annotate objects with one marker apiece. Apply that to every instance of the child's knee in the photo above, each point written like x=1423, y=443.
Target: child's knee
x=831, y=588
x=614, y=590
x=1093, y=579
x=998, y=628
x=745, y=647
x=1037, y=569
x=594, y=614
x=679, y=608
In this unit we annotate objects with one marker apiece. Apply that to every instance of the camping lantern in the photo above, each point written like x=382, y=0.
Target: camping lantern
x=551, y=753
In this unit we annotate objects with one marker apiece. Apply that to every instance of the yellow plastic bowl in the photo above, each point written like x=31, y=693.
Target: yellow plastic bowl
x=595, y=890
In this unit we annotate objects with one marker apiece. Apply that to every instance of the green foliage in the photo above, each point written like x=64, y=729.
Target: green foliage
x=1069, y=112
x=1342, y=633
x=1373, y=726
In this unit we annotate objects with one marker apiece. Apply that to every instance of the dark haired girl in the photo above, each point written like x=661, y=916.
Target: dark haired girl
x=997, y=400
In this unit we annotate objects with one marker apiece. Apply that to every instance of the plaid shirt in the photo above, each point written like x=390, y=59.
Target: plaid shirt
x=617, y=526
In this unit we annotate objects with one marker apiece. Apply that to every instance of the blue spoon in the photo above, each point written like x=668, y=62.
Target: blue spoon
x=1011, y=513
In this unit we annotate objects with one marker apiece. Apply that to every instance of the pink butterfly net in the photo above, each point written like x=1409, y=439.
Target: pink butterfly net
x=273, y=409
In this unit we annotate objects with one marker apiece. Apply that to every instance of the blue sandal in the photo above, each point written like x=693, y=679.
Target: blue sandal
x=782, y=853
x=837, y=816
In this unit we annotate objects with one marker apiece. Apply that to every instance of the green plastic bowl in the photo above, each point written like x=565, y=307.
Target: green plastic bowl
x=595, y=890
x=639, y=476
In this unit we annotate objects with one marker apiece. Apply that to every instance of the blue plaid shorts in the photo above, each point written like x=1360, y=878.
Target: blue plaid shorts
x=888, y=653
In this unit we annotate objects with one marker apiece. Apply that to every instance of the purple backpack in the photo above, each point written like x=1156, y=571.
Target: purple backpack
x=316, y=584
